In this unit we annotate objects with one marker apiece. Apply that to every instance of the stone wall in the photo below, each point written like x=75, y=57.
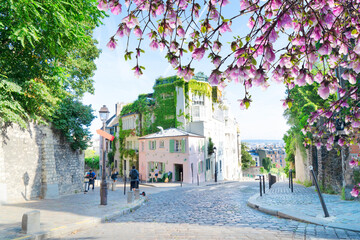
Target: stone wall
x=37, y=163
x=302, y=165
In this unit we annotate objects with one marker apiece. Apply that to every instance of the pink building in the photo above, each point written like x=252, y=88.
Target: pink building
x=173, y=150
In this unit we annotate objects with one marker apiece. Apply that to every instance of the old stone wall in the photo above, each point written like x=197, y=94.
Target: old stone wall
x=330, y=169
x=37, y=163
x=301, y=165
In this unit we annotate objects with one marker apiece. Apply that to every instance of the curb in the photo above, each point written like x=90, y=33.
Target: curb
x=219, y=183
x=297, y=216
x=66, y=229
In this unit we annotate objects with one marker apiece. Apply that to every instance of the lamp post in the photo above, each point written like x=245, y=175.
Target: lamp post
x=215, y=165
x=104, y=114
x=340, y=125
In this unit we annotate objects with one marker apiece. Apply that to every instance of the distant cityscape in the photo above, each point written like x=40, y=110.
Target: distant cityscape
x=273, y=149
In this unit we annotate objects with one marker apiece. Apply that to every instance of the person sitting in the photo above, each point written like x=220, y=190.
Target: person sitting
x=92, y=177
x=114, y=175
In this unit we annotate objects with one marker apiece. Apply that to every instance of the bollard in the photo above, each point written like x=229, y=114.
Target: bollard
x=124, y=185
x=181, y=178
x=137, y=194
x=263, y=177
x=113, y=186
x=198, y=179
x=326, y=213
x=30, y=222
x=260, y=186
x=130, y=196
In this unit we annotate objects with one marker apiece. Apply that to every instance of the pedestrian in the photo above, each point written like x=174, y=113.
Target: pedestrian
x=86, y=181
x=134, y=178
x=114, y=175
x=156, y=174
x=92, y=177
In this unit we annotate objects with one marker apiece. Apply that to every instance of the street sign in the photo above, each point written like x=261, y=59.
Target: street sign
x=105, y=134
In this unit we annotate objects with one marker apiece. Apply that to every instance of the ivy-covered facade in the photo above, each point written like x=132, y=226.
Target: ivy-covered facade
x=194, y=106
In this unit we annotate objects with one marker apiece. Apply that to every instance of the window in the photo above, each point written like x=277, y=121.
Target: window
x=196, y=111
x=177, y=145
x=208, y=164
x=201, y=167
x=152, y=145
x=161, y=145
x=198, y=100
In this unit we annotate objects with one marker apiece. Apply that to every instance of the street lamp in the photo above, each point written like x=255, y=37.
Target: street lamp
x=215, y=165
x=340, y=125
x=104, y=115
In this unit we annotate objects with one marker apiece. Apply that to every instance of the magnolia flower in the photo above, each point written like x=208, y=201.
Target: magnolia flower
x=215, y=77
x=138, y=71
x=273, y=36
x=355, y=192
x=269, y=54
x=198, y=53
x=251, y=23
x=154, y=45
x=138, y=32
x=180, y=32
x=353, y=163
x=325, y=49
x=216, y=61
x=217, y=46
x=103, y=5
x=111, y=44
x=160, y=9
x=116, y=9
x=225, y=28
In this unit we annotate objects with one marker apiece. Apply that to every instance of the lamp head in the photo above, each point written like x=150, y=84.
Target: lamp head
x=104, y=113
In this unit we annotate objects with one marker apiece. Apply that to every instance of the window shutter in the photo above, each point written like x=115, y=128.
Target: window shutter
x=171, y=145
x=149, y=145
x=154, y=144
x=183, y=145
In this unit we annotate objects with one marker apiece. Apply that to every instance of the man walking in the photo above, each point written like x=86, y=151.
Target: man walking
x=134, y=177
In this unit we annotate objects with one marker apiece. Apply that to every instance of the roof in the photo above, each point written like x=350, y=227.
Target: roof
x=171, y=132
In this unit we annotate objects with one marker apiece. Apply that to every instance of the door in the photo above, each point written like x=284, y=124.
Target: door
x=178, y=171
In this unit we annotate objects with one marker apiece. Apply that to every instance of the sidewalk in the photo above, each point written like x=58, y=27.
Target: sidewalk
x=304, y=205
x=69, y=213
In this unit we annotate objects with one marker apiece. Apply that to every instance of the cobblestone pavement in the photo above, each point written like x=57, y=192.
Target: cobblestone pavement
x=213, y=212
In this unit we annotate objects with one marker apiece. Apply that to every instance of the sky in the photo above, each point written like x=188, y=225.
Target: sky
x=115, y=82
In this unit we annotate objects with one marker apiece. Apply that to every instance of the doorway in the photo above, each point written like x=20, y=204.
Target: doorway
x=178, y=171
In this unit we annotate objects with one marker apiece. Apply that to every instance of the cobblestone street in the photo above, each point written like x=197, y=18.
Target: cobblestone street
x=212, y=212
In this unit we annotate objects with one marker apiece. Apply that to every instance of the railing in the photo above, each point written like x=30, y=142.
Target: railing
x=262, y=184
x=272, y=180
x=291, y=184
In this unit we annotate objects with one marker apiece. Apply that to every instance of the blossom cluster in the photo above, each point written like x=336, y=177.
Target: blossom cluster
x=323, y=48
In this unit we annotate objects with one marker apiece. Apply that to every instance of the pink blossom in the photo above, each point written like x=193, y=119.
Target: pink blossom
x=318, y=145
x=161, y=46
x=217, y=46
x=174, y=62
x=273, y=36
x=180, y=32
x=319, y=78
x=269, y=54
x=154, y=45
x=300, y=80
x=116, y=9
x=198, y=53
x=138, y=32
x=325, y=49
x=344, y=49
x=244, y=4
x=216, y=61
x=251, y=23
x=353, y=163
x=214, y=78
x=341, y=142
x=174, y=47
x=324, y=91
x=103, y=5
x=355, y=124
x=131, y=21
x=299, y=41
x=224, y=2
x=355, y=192
x=138, y=71
x=225, y=27
x=309, y=79
x=160, y=9
x=111, y=44
x=285, y=21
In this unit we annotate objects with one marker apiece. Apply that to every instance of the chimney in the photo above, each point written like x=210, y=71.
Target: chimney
x=118, y=108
